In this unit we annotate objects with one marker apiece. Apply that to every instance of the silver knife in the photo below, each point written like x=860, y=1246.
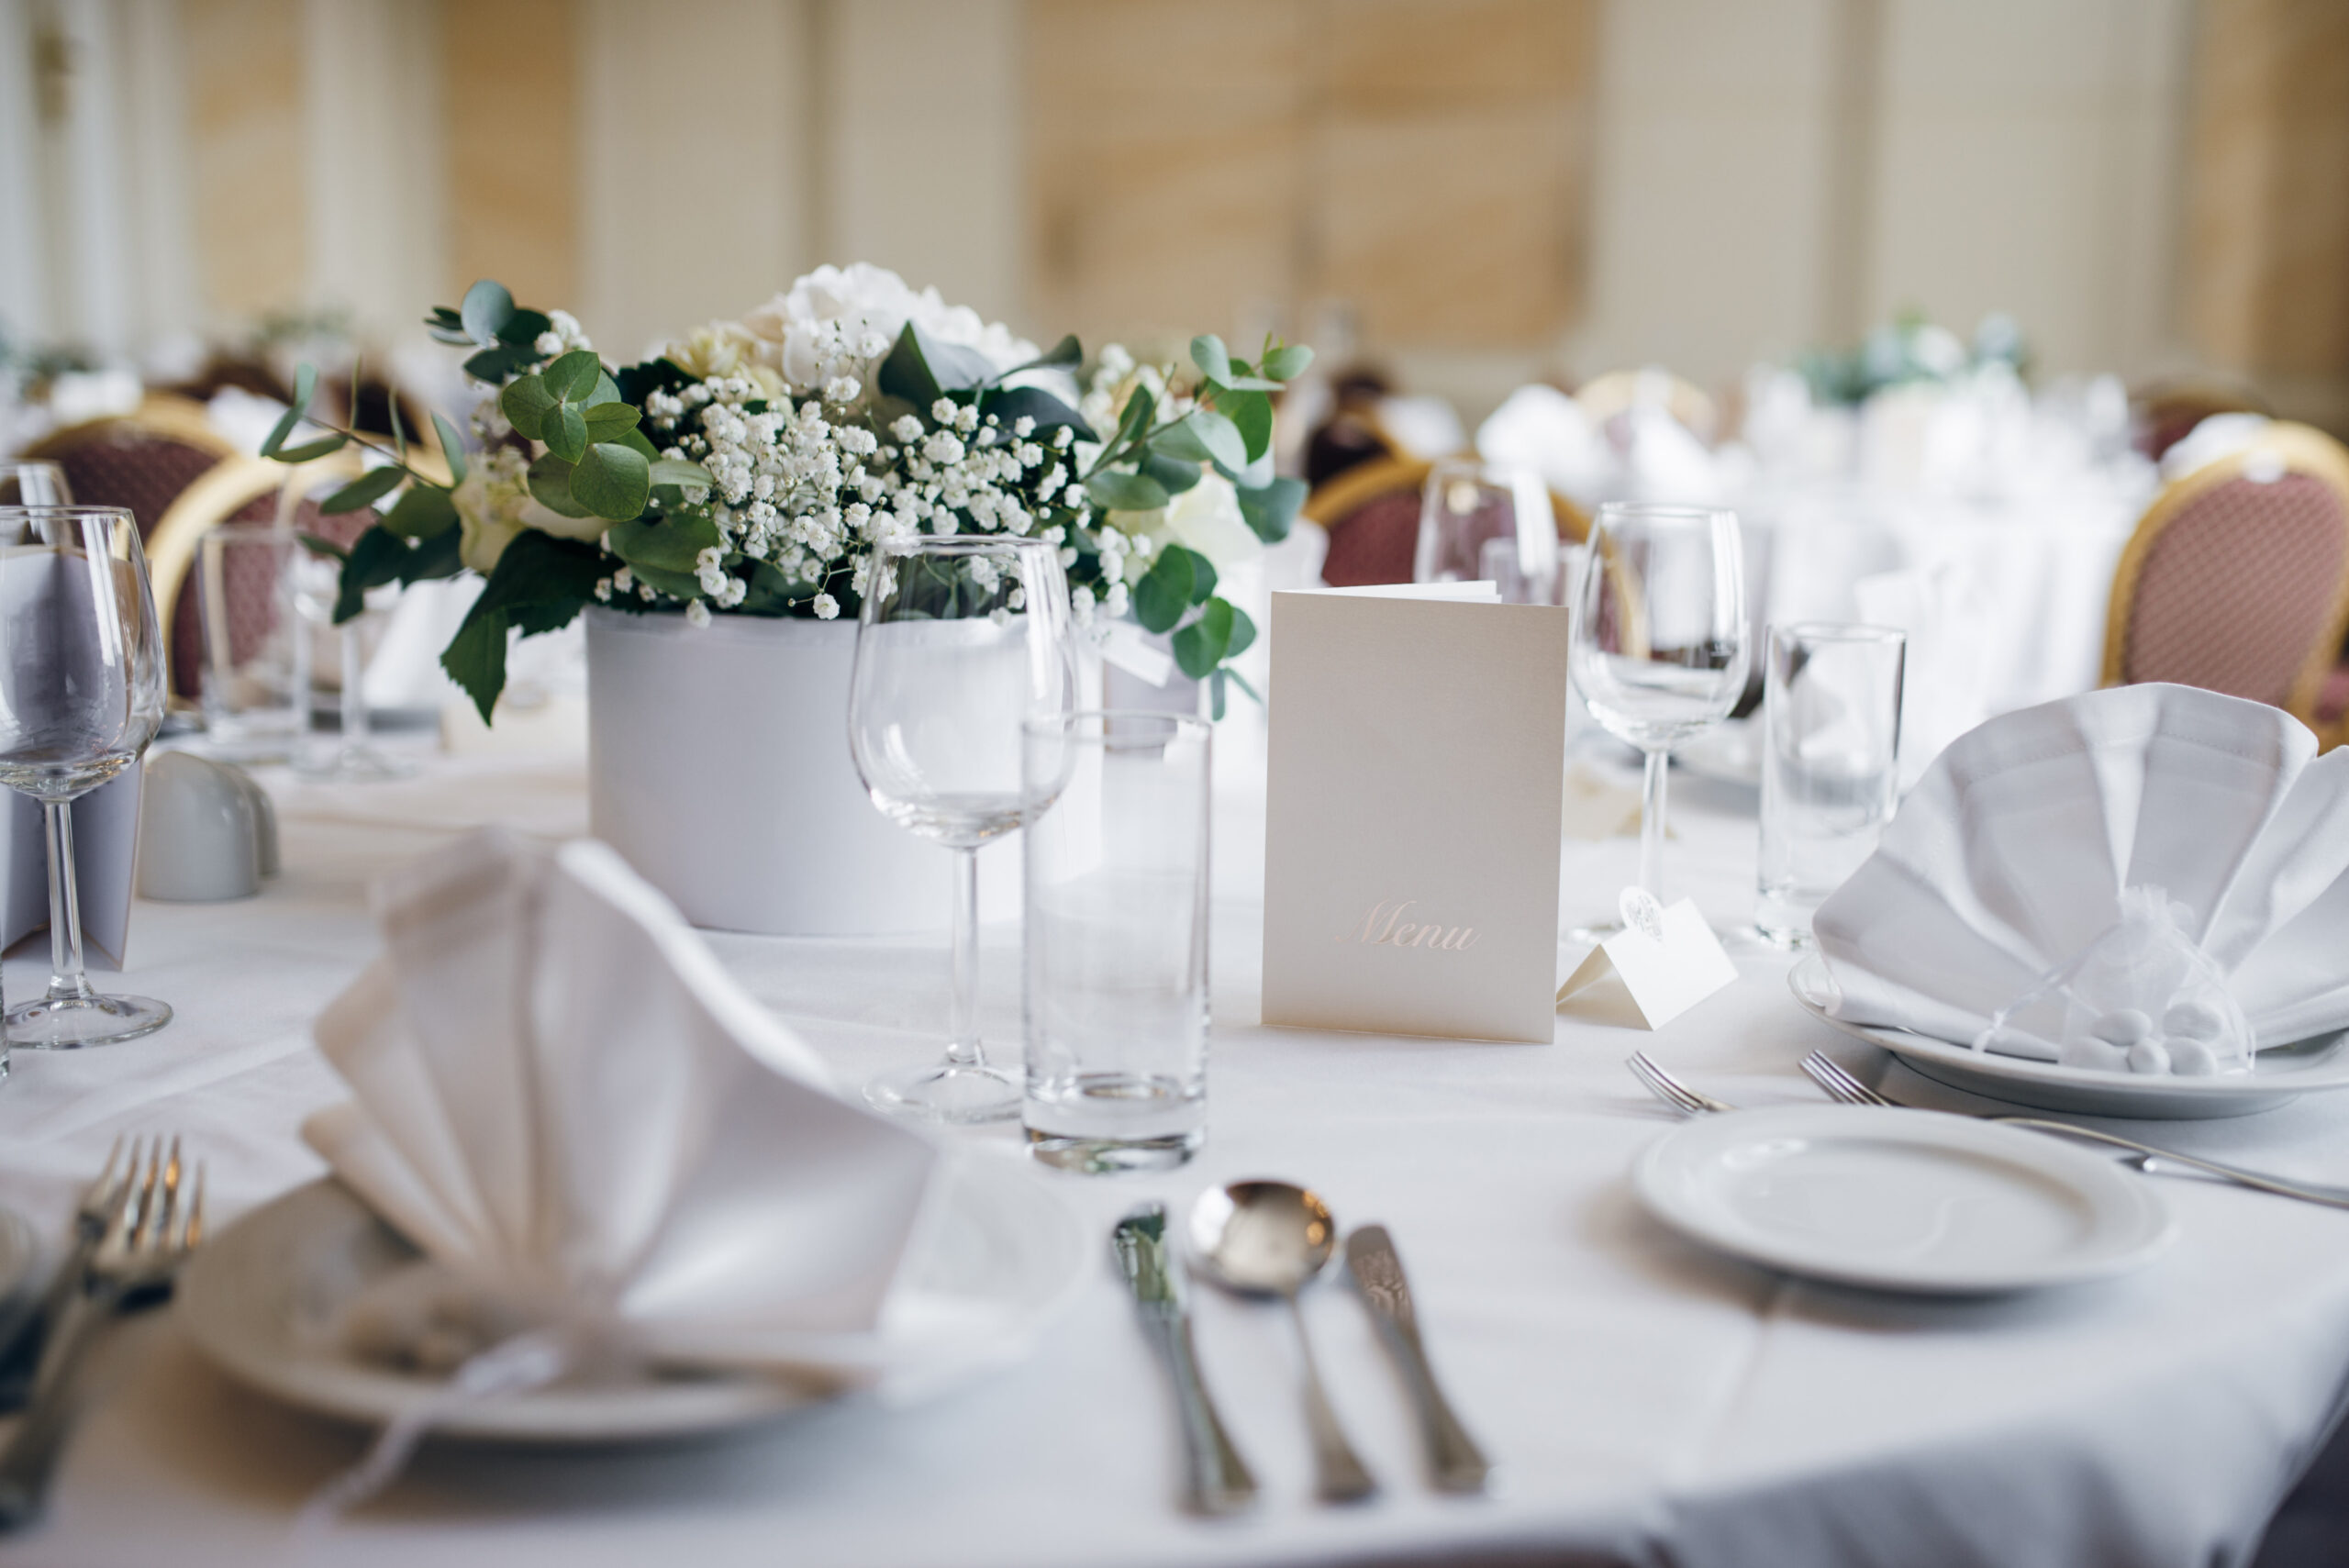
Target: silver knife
x=1460, y=1465
x=1216, y=1481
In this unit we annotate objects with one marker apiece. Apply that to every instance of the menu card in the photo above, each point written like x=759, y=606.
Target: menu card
x=105, y=851
x=1418, y=755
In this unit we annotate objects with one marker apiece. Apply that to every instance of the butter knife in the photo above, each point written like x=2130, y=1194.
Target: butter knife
x=1216, y=1481
x=1460, y=1465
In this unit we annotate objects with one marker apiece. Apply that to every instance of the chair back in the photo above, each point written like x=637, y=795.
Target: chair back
x=1371, y=513
x=2237, y=578
x=142, y=460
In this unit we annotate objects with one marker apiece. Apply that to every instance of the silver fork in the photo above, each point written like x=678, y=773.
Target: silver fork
x=21, y=1358
x=150, y=1230
x=1671, y=1090
x=1831, y=1075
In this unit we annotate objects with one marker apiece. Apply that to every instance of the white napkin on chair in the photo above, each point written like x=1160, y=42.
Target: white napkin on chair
x=2010, y=858
x=583, y=1122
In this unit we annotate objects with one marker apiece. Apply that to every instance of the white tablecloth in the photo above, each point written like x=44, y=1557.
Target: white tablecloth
x=1652, y=1403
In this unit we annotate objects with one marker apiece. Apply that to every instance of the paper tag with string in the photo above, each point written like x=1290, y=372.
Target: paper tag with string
x=1667, y=958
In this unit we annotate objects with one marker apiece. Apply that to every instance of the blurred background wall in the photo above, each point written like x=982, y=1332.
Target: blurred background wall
x=1478, y=192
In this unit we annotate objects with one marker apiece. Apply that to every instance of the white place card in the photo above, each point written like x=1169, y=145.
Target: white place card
x=1418, y=753
x=1669, y=959
x=106, y=853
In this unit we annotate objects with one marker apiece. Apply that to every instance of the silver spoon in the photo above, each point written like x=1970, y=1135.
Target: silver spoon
x=1271, y=1239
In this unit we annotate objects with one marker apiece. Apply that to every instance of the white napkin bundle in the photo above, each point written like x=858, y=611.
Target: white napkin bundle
x=586, y=1125
x=2013, y=854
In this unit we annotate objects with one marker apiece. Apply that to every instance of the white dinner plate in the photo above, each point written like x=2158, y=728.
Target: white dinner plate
x=2277, y=1076
x=1902, y=1200
x=1004, y=1256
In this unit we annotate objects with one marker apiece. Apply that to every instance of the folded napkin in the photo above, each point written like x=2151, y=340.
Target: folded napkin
x=586, y=1126
x=2019, y=848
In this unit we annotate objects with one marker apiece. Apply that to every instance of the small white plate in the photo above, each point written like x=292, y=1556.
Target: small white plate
x=2278, y=1077
x=1901, y=1200
x=1003, y=1257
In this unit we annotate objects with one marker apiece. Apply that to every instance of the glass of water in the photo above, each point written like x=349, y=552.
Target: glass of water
x=256, y=648
x=1117, y=940
x=1831, y=764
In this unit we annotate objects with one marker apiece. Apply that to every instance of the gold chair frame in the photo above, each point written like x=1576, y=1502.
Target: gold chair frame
x=2300, y=449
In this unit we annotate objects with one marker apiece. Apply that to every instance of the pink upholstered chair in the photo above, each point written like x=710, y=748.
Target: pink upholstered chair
x=2237, y=578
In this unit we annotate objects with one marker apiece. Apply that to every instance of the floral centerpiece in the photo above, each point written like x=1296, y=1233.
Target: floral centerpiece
x=746, y=469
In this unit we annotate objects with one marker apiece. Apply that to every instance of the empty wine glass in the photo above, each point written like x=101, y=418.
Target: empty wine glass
x=1659, y=646
x=353, y=758
x=82, y=693
x=25, y=482
x=962, y=640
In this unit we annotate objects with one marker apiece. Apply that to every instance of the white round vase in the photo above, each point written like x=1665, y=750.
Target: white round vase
x=718, y=764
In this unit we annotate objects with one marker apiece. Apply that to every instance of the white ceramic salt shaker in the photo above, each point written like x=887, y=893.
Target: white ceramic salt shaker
x=200, y=836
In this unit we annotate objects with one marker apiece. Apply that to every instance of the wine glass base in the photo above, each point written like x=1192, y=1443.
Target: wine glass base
x=72, y=1024
x=944, y=1092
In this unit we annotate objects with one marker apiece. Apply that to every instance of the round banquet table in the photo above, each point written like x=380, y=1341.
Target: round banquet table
x=1651, y=1402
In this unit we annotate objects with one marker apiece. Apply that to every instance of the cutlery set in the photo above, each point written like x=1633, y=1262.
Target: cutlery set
x=1263, y=1239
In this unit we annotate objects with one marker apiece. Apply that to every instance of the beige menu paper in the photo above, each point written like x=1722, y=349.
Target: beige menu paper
x=1411, y=836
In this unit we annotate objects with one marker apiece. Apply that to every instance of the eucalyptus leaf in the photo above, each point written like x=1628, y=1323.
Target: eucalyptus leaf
x=573, y=376
x=451, y=448
x=635, y=441
x=523, y=327
x=564, y=431
x=1183, y=443
x=1140, y=409
x=1217, y=701
x=1209, y=353
x=1122, y=492
x=1164, y=592
x=920, y=369
x=493, y=365
x=364, y=491
x=671, y=544
x=612, y=480
x=310, y=451
x=1199, y=646
x=1286, y=362
x=1066, y=354
x=1271, y=509
x=676, y=585
x=686, y=476
x=423, y=512
x=609, y=421
x=1202, y=572
x=1244, y=632
x=1251, y=413
x=321, y=546
x=305, y=385
x=550, y=482
x=487, y=307
x=1245, y=383
x=606, y=390
x=279, y=431
x=526, y=403
x=1173, y=473
x=1012, y=404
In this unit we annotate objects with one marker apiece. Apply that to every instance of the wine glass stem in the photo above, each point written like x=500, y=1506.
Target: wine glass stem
x=963, y=1049
x=66, y=982
x=354, y=690
x=1652, y=825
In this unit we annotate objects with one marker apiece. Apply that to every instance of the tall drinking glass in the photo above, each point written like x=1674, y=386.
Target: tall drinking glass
x=961, y=642
x=354, y=758
x=1115, y=1000
x=25, y=482
x=1481, y=523
x=1659, y=648
x=256, y=670
x=1831, y=765
x=82, y=693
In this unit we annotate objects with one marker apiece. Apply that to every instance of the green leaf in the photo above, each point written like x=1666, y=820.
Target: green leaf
x=676, y=585
x=634, y=441
x=1271, y=509
x=1202, y=572
x=564, y=431
x=1209, y=353
x=1243, y=631
x=451, y=448
x=524, y=402
x=1140, y=408
x=475, y=657
x=1165, y=591
x=1215, y=701
x=487, y=307
x=522, y=329
x=606, y=390
x=609, y=421
x=1066, y=354
x=1237, y=679
x=305, y=384
x=1119, y=491
x=573, y=376
x=378, y=557
x=550, y=481
x=1199, y=646
x=1011, y=404
x=686, y=476
x=325, y=446
x=447, y=326
x=1173, y=473
x=920, y=368
x=1205, y=436
x=424, y=511
x=1286, y=362
x=1251, y=413
x=318, y=545
x=493, y=365
x=540, y=584
x=1243, y=383
x=278, y=432
x=612, y=482
x=674, y=544
x=364, y=491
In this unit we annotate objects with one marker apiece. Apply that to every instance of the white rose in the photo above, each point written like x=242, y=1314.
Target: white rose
x=1206, y=517
x=839, y=313
x=491, y=513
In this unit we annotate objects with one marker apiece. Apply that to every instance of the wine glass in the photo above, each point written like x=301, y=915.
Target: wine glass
x=1660, y=648
x=25, y=482
x=961, y=639
x=353, y=758
x=82, y=693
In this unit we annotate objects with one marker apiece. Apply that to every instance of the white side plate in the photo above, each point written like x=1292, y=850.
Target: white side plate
x=2278, y=1077
x=1901, y=1200
x=1004, y=1255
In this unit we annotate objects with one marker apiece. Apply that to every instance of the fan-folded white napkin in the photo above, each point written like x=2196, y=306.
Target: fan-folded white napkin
x=584, y=1124
x=2011, y=857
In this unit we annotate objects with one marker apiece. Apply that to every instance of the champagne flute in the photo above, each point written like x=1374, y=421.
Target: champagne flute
x=82, y=693
x=1660, y=645
x=961, y=639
